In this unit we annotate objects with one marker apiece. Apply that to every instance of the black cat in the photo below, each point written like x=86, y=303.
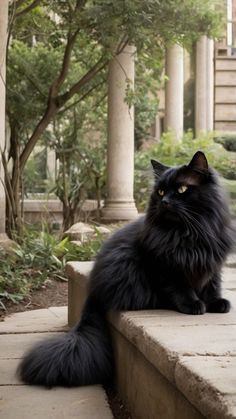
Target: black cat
x=169, y=259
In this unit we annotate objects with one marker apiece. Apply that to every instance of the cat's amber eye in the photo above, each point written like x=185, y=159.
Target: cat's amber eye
x=161, y=192
x=182, y=189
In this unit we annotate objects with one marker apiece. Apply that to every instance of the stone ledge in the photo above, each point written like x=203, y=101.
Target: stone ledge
x=191, y=359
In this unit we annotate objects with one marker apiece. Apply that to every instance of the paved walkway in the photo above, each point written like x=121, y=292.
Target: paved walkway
x=17, y=401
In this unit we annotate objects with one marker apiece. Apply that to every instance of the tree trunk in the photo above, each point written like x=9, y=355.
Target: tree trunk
x=3, y=43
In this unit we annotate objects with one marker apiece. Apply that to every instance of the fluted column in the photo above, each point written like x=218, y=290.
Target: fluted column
x=120, y=204
x=174, y=91
x=3, y=41
x=204, y=85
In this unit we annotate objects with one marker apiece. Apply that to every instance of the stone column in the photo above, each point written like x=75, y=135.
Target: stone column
x=204, y=85
x=174, y=90
x=3, y=41
x=120, y=203
x=51, y=164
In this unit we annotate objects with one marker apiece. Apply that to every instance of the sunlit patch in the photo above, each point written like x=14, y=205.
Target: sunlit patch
x=182, y=189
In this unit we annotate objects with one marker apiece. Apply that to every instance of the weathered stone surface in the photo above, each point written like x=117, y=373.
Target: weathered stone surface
x=77, y=273
x=80, y=231
x=21, y=401
x=103, y=230
x=39, y=210
x=147, y=393
x=231, y=260
x=45, y=320
x=58, y=403
x=14, y=345
x=163, y=345
x=8, y=374
x=165, y=339
x=209, y=383
x=229, y=278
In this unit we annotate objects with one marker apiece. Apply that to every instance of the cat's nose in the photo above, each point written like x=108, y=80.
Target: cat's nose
x=166, y=202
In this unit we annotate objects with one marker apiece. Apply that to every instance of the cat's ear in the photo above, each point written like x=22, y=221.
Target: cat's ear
x=199, y=162
x=158, y=168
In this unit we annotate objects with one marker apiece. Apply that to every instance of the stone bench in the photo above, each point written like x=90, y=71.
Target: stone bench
x=170, y=365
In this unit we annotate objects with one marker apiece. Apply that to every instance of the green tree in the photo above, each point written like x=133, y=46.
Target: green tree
x=59, y=55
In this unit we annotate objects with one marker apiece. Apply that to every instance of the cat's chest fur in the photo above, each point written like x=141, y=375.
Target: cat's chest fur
x=181, y=260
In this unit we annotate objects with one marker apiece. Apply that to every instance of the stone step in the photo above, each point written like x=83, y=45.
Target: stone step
x=25, y=402
x=18, y=401
x=52, y=319
x=171, y=365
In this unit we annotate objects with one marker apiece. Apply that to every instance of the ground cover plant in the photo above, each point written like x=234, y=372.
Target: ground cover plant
x=37, y=258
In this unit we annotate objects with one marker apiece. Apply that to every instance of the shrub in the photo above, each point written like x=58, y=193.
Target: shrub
x=227, y=140
x=172, y=153
x=38, y=258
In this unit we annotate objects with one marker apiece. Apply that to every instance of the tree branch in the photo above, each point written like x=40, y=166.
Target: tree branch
x=99, y=66
x=27, y=9
x=49, y=113
x=18, y=3
x=33, y=83
x=71, y=39
x=63, y=110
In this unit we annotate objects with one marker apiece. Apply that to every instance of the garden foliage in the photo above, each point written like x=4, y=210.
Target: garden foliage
x=37, y=258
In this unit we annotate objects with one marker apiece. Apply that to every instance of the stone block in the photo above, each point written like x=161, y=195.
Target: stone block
x=39, y=210
x=8, y=374
x=162, y=339
x=225, y=112
x=227, y=64
x=14, y=345
x=147, y=393
x=25, y=402
x=210, y=383
x=225, y=94
x=229, y=126
x=77, y=272
x=45, y=320
x=225, y=78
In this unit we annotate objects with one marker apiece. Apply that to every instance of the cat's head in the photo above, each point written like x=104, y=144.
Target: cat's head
x=185, y=192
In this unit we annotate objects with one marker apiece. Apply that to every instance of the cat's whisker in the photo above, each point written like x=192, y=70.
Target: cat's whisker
x=202, y=227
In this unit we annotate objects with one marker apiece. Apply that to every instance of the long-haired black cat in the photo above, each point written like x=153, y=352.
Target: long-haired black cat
x=169, y=259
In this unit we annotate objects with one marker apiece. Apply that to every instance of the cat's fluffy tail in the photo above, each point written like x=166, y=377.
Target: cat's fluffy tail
x=82, y=356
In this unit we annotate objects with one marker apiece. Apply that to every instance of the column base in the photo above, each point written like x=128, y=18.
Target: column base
x=119, y=211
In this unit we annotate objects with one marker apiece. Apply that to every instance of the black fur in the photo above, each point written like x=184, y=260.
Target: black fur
x=169, y=259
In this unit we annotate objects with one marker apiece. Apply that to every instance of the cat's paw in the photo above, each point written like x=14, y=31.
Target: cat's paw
x=221, y=305
x=197, y=307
